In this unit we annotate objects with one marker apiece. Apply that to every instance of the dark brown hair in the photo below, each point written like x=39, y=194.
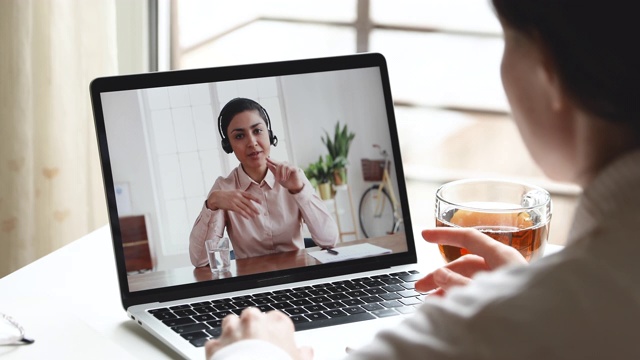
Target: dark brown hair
x=593, y=45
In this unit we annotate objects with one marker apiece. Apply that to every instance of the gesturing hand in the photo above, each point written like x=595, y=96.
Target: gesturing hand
x=273, y=326
x=239, y=201
x=485, y=254
x=289, y=176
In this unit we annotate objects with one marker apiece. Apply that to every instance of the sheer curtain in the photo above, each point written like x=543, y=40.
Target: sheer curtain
x=50, y=182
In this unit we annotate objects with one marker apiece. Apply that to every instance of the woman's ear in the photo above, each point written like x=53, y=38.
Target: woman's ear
x=548, y=76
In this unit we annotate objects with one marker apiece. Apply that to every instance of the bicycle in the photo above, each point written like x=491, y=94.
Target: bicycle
x=379, y=209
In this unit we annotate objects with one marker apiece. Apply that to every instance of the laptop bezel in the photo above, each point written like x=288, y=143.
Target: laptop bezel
x=246, y=71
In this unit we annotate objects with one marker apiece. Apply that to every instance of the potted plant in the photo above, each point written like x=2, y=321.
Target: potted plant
x=338, y=148
x=320, y=173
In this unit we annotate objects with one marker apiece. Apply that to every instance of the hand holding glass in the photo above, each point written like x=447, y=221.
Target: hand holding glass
x=219, y=254
x=513, y=213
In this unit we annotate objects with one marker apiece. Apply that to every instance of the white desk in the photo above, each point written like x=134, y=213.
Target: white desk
x=77, y=314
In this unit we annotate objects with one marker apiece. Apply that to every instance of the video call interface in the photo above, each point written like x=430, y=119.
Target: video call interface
x=165, y=154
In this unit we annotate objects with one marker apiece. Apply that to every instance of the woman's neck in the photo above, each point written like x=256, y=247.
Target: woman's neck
x=256, y=174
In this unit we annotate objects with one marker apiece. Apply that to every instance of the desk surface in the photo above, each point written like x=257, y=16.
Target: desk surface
x=76, y=314
x=254, y=265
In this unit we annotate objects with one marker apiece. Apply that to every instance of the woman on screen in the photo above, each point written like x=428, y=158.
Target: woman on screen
x=263, y=202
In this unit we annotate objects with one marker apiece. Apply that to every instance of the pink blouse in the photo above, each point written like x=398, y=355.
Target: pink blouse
x=278, y=228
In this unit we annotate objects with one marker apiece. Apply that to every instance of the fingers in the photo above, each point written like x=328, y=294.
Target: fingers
x=466, y=266
x=495, y=253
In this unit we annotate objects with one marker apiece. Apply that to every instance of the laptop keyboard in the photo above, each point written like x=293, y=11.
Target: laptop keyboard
x=309, y=307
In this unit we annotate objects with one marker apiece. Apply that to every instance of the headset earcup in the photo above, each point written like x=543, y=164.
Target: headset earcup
x=226, y=146
x=273, y=140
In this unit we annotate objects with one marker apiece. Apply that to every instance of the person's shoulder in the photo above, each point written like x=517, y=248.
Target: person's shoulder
x=227, y=182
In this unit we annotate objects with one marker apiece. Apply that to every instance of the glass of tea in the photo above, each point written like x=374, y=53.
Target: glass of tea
x=514, y=213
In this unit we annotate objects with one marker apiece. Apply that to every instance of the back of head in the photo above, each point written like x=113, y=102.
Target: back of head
x=592, y=44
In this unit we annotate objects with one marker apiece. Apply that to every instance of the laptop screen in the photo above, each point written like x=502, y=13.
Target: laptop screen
x=160, y=139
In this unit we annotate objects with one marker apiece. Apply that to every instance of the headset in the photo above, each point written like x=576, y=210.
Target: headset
x=226, y=146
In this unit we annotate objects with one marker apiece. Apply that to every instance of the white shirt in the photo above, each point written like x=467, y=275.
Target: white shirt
x=580, y=303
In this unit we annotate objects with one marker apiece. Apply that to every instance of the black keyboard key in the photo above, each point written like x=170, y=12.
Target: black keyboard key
x=390, y=296
x=357, y=293
x=411, y=277
x=180, y=307
x=373, y=283
x=393, y=288
x=204, y=309
x=371, y=299
x=375, y=291
x=334, y=305
x=179, y=321
x=391, y=304
x=265, y=307
x=334, y=321
x=166, y=315
x=381, y=276
x=215, y=323
x=361, y=279
x=319, y=292
x=189, y=328
x=338, y=296
x=337, y=289
x=159, y=310
x=399, y=273
x=204, y=317
x=320, y=286
x=223, y=307
x=195, y=335
x=315, y=308
x=301, y=302
x=281, y=305
x=353, y=310
x=385, y=312
x=316, y=316
x=221, y=314
x=298, y=319
x=300, y=295
x=241, y=298
x=184, y=313
x=319, y=299
x=215, y=332
x=372, y=306
x=263, y=301
x=223, y=301
x=355, y=286
x=262, y=294
x=296, y=311
x=201, y=303
x=391, y=281
x=353, y=302
x=241, y=304
x=335, y=313
x=282, y=292
x=199, y=342
x=303, y=288
x=281, y=298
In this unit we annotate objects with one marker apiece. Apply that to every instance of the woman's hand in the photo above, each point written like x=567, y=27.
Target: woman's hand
x=238, y=201
x=485, y=254
x=273, y=326
x=289, y=176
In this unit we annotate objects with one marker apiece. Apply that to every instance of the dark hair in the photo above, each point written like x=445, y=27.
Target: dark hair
x=593, y=46
x=235, y=107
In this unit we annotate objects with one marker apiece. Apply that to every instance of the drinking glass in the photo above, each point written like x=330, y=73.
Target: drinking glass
x=514, y=213
x=219, y=254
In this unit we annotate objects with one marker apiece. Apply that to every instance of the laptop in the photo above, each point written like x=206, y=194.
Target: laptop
x=160, y=150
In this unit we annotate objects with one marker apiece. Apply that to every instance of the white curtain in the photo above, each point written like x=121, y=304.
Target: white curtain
x=50, y=183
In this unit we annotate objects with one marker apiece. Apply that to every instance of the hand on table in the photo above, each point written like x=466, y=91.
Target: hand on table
x=239, y=201
x=485, y=254
x=273, y=326
x=289, y=176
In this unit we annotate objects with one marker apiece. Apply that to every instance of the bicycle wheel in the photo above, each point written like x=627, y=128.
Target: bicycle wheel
x=376, y=213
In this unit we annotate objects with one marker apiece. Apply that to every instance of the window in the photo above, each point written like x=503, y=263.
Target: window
x=443, y=56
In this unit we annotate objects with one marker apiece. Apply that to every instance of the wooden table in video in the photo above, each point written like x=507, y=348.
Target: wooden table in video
x=259, y=264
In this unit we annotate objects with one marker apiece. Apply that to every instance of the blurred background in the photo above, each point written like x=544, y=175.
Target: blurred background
x=443, y=58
